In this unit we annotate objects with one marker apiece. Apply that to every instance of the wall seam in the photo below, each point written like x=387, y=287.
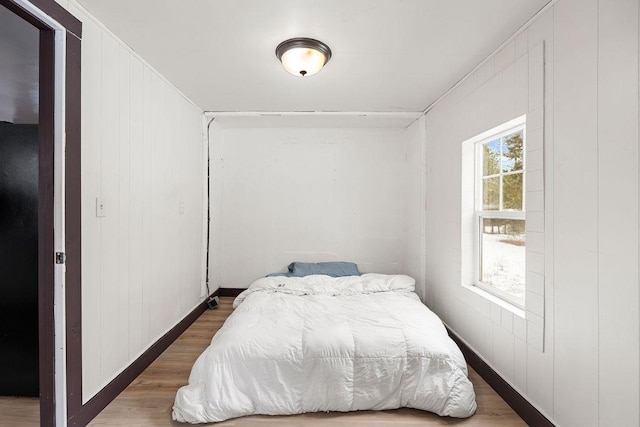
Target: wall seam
x=100, y=191
x=553, y=203
x=130, y=76
x=598, y=198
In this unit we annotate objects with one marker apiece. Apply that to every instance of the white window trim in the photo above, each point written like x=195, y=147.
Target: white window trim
x=477, y=141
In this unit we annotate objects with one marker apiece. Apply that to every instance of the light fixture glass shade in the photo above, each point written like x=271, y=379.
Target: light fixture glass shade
x=302, y=61
x=302, y=56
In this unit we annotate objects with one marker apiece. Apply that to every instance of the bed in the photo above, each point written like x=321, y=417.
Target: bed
x=319, y=343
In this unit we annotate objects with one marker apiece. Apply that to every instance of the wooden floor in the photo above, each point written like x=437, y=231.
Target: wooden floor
x=19, y=411
x=148, y=400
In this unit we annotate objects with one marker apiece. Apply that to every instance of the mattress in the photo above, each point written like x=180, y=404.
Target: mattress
x=318, y=343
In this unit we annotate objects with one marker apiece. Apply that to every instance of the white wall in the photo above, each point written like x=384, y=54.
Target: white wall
x=284, y=194
x=142, y=154
x=588, y=373
x=413, y=259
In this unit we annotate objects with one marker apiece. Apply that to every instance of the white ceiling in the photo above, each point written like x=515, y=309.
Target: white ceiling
x=19, y=47
x=388, y=55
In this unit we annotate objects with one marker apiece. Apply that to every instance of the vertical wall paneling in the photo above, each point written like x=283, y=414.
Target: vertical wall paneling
x=174, y=242
x=520, y=364
x=534, y=187
x=92, y=188
x=576, y=191
x=618, y=212
x=124, y=237
x=157, y=205
x=142, y=156
x=136, y=193
x=540, y=366
x=587, y=233
x=109, y=224
x=148, y=149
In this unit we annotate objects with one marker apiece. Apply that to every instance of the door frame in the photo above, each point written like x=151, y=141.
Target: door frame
x=59, y=209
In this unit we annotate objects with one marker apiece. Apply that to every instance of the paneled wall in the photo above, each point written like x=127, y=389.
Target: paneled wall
x=588, y=373
x=283, y=194
x=142, y=160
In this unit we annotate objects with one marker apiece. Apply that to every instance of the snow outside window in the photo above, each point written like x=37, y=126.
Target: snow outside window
x=500, y=213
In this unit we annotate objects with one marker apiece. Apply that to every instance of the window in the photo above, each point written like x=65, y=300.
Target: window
x=500, y=212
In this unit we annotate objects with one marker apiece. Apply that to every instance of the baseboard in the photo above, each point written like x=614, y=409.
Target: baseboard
x=230, y=292
x=518, y=403
x=98, y=402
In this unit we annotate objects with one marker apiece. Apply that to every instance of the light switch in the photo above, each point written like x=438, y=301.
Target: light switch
x=181, y=208
x=101, y=208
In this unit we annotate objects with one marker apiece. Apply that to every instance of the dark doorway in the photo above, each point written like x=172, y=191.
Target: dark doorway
x=18, y=259
x=47, y=16
x=19, y=164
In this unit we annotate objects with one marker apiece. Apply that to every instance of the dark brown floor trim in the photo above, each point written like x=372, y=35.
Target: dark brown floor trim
x=98, y=402
x=518, y=403
x=230, y=292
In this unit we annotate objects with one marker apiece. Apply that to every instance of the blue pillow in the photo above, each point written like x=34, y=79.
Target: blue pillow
x=333, y=269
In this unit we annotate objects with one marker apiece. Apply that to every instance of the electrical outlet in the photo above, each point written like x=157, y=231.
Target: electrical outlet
x=213, y=302
x=181, y=208
x=101, y=207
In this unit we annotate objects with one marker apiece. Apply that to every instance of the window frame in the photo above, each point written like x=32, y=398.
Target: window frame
x=512, y=126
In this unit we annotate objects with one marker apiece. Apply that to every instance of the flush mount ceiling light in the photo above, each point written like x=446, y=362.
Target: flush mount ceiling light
x=302, y=56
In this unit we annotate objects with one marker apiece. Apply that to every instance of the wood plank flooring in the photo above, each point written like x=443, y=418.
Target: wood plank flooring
x=148, y=400
x=19, y=411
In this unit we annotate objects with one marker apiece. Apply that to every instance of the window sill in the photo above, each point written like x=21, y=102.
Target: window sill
x=499, y=301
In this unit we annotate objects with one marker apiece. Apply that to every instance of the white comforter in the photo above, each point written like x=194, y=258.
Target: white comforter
x=318, y=343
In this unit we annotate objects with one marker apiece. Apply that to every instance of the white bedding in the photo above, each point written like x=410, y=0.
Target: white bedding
x=318, y=343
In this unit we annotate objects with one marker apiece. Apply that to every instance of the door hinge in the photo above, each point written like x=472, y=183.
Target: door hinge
x=60, y=257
